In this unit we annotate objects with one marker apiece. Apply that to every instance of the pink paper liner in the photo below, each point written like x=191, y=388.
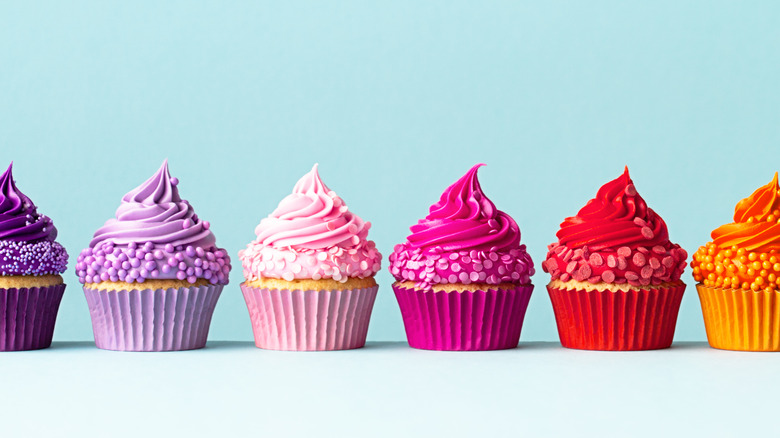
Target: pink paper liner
x=463, y=321
x=152, y=319
x=638, y=319
x=309, y=320
x=27, y=317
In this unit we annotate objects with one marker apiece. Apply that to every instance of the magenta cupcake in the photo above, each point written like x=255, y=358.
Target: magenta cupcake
x=152, y=275
x=463, y=278
x=31, y=262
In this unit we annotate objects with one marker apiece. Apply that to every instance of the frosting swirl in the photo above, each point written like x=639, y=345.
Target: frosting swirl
x=464, y=239
x=19, y=218
x=465, y=219
x=745, y=254
x=610, y=220
x=154, y=212
x=27, y=245
x=311, y=235
x=756, y=225
x=155, y=234
x=615, y=238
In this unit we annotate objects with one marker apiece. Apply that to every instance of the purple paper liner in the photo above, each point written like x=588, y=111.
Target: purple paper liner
x=27, y=317
x=152, y=319
x=463, y=321
x=309, y=320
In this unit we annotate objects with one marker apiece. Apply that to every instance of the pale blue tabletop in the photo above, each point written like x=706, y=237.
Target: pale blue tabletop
x=387, y=389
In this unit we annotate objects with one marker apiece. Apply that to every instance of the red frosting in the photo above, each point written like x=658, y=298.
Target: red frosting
x=615, y=238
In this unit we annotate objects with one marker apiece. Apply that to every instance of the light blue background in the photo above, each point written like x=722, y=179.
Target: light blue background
x=395, y=100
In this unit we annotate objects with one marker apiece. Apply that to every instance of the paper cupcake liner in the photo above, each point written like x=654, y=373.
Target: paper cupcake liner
x=463, y=321
x=641, y=319
x=309, y=320
x=742, y=320
x=152, y=319
x=27, y=317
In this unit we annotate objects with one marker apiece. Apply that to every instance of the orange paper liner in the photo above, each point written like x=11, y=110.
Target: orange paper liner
x=741, y=320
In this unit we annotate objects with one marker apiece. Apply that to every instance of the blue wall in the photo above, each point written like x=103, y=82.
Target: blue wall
x=395, y=100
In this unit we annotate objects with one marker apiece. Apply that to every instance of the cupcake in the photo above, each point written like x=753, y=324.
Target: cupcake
x=152, y=275
x=31, y=262
x=463, y=278
x=615, y=274
x=310, y=273
x=738, y=276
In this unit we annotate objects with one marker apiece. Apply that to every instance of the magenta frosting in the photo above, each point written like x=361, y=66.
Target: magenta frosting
x=464, y=239
x=155, y=234
x=27, y=245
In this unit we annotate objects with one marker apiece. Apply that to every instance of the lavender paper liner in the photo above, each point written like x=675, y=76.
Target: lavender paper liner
x=152, y=319
x=27, y=317
x=463, y=321
x=309, y=320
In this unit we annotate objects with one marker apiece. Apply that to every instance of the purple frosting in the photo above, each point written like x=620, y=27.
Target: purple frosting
x=27, y=245
x=155, y=234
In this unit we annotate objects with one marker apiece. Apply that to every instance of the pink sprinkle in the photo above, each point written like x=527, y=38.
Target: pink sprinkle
x=658, y=249
x=608, y=276
x=552, y=265
x=639, y=259
x=654, y=263
x=493, y=256
x=474, y=276
x=639, y=221
x=585, y=271
x=452, y=278
x=565, y=277
x=364, y=265
x=631, y=276
x=668, y=261
x=624, y=251
x=455, y=267
x=596, y=259
x=647, y=271
x=454, y=256
x=647, y=233
x=571, y=267
x=611, y=261
x=622, y=263
x=464, y=278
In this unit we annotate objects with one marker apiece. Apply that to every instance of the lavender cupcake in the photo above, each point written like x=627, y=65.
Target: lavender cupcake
x=31, y=262
x=153, y=274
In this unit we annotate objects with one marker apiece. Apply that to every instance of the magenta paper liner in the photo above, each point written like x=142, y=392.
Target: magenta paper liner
x=152, y=319
x=27, y=317
x=463, y=321
x=309, y=320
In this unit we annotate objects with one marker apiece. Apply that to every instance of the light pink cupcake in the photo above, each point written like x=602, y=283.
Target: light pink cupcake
x=310, y=273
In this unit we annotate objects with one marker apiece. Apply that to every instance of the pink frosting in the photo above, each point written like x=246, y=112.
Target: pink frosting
x=464, y=239
x=311, y=235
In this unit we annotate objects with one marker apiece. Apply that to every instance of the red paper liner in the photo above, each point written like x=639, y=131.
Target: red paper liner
x=637, y=319
x=27, y=317
x=463, y=321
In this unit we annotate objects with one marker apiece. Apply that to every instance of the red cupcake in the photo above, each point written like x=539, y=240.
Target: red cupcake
x=615, y=274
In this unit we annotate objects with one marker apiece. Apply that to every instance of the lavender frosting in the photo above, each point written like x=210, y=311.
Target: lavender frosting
x=155, y=234
x=27, y=245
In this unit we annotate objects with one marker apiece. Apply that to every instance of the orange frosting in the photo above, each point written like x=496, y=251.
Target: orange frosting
x=746, y=253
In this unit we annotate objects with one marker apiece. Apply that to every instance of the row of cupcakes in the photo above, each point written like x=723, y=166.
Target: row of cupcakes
x=152, y=275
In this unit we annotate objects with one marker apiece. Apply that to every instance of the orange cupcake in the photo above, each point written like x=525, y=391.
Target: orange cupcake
x=739, y=276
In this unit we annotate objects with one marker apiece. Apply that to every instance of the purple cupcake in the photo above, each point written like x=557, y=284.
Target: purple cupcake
x=153, y=274
x=31, y=262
